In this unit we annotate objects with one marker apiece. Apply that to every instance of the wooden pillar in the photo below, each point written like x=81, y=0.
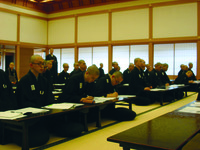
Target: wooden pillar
x=24, y=55
x=198, y=60
x=198, y=42
x=110, y=52
x=76, y=40
x=151, y=51
x=17, y=60
x=151, y=54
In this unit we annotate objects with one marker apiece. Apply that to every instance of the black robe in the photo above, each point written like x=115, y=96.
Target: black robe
x=76, y=89
x=7, y=97
x=63, y=77
x=32, y=92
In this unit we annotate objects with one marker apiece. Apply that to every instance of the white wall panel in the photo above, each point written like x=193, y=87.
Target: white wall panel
x=33, y=30
x=132, y=24
x=61, y=31
x=175, y=21
x=93, y=28
x=8, y=26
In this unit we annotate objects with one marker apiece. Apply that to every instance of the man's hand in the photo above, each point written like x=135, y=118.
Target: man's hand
x=115, y=94
x=147, y=89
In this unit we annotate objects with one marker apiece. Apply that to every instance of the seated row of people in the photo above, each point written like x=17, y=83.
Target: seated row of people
x=141, y=80
x=34, y=90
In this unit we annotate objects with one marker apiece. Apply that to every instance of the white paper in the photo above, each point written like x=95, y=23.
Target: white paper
x=157, y=89
x=126, y=96
x=195, y=110
x=63, y=106
x=103, y=99
x=10, y=115
x=30, y=109
x=56, y=92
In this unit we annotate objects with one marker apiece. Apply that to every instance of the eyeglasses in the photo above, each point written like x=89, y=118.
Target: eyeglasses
x=39, y=64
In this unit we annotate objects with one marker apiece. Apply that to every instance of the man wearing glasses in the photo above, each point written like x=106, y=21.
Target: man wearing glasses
x=33, y=90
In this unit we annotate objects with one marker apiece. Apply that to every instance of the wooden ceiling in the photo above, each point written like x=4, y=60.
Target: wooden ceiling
x=52, y=6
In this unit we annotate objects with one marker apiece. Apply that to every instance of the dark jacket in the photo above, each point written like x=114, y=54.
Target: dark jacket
x=12, y=75
x=164, y=77
x=155, y=79
x=137, y=82
x=101, y=72
x=54, y=68
x=182, y=79
x=126, y=76
x=7, y=98
x=112, y=71
x=103, y=86
x=76, y=89
x=63, y=77
x=32, y=92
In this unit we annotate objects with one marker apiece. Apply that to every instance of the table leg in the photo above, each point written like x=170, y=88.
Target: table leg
x=161, y=99
x=25, y=140
x=85, y=112
x=98, y=122
x=2, y=133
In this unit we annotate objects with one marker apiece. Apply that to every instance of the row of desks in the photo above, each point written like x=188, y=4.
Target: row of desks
x=22, y=124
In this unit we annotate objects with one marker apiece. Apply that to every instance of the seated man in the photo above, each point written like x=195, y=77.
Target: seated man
x=190, y=66
x=184, y=78
x=138, y=86
x=63, y=77
x=115, y=67
x=80, y=86
x=80, y=89
x=149, y=68
x=155, y=76
x=48, y=74
x=35, y=91
x=7, y=100
x=82, y=67
x=76, y=67
x=164, y=78
x=12, y=74
x=126, y=73
x=105, y=86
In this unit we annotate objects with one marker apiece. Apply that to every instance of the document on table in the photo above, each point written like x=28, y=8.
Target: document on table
x=126, y=96
x=30, y=109
x=56, y=92
x=196, y=81
x=63, y=106
x=59, y=84
x=175, y=85
x=102, y=99
x=157, y=89
x=10, y=115
x=195, y=110
x=196, y=104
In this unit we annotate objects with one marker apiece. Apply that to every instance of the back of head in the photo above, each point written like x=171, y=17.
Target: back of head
x=118, y=74
x=93, y=70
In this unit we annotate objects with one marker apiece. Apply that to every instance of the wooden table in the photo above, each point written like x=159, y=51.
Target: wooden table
x=161, y=91
x=170, y=131
x=22, y=124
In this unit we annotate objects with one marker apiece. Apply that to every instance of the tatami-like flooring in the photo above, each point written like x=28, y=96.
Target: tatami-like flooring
x=96, y=139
